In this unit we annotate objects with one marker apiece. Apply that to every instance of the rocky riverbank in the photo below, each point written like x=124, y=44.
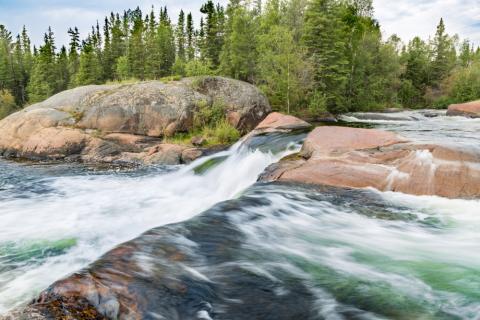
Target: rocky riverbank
x=127, y=123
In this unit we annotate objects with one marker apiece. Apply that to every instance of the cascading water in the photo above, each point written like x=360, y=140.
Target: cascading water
x=270, y=251
x=57, y=219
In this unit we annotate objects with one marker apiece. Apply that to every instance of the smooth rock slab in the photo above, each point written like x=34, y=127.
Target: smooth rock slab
x=362, y=158
x=469, y=109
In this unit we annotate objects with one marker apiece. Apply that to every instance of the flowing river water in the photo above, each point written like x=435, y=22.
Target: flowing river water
x=288, y=249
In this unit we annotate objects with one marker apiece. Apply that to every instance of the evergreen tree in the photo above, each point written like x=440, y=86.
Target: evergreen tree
x=415, y=78
x=212, y=37
x=239, y=54
x=283, y=69
x=43, y=78
x=181, y=36
x=152, y=53
x=73, y=55
x=166, y=44
x=444, y=54
x=136, y=46
x=325, y=38
x=62, y=72
x=90, y=69
x=190, y=34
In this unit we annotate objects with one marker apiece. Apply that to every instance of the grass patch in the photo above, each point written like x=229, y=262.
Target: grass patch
x=77, y=115
x=221, y=133
x=171, y=78
x=124, y=81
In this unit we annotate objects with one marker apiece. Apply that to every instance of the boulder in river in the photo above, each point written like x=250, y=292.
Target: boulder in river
x=469, y=109
x=361, y=158
x=108, y=123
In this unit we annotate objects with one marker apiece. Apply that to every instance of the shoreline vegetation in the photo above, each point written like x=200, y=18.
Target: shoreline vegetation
x=308, y=57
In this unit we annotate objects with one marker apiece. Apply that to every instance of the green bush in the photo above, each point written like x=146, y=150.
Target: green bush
x=7, y=103
x=317, y=103
x=225, y=133
x=208, y=115
x=198, y=68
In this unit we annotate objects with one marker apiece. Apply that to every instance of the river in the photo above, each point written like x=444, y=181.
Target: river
x=289, y=250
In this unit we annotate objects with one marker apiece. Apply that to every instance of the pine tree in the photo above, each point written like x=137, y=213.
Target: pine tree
x=6, y=74
x=415, y=78
x=444, y=54
x=108, y=59
x=73, y=56
x=136, y=46
x=63, y=75
x=239, y=54
x=181, y=36
x=326, y=39
x=212, y=37
x=283, y=69
x=42, y=82
x=166, y=44
x=190, y=33
x=152, y=54
x=90, y=69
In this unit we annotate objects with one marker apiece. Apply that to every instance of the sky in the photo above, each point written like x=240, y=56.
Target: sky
x=406, y=18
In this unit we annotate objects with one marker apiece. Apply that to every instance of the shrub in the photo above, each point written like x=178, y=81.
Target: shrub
x=225, y=133
x=198, y=68
x=208, y=115
x=175, y=77
x=317, y=103
x=7, y=103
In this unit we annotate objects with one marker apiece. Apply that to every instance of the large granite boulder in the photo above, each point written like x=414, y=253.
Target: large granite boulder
x=79, y=123
x=362, y=158
x=469, y=109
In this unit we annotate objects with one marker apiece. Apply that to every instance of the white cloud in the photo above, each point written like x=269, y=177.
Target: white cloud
x=409, y=18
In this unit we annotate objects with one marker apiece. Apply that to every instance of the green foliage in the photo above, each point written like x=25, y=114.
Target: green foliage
x=307, y=56
x=171, y=78
x=222, y=133
x=284, y=69
x=326, y=39
x=208, y=115
x=317, y=103
x=462, y=86
x=239, y=56
x=7, y=103
x=122, y=68
x=198, y=68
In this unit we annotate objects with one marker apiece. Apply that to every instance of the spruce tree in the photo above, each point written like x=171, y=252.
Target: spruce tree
x=90, y=69
x=190, y=34
x=43, y=78
x=73, y=56
x=325, y=39
x=136, y=46
x=444, y=55
x=238, y=59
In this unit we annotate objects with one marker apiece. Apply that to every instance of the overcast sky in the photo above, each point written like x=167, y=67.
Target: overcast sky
x=406, y=18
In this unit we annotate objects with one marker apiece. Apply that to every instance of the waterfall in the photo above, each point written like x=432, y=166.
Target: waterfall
x=58, y=224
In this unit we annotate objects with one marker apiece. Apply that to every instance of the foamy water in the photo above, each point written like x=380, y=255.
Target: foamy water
x=60, y=223
x=362, y=254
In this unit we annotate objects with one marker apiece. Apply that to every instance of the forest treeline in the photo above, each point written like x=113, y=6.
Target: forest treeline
x=308, y=56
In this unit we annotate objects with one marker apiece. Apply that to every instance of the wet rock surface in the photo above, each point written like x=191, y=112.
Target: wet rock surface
x=361, y=158
x=121, y=123
x=190, y=270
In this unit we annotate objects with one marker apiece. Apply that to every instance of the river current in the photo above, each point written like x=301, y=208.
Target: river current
x=330, y=253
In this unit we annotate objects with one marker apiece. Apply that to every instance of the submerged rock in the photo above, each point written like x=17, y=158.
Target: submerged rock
x=189, y=270
x=108, y=123
x=469, y=109
x=361, y=158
